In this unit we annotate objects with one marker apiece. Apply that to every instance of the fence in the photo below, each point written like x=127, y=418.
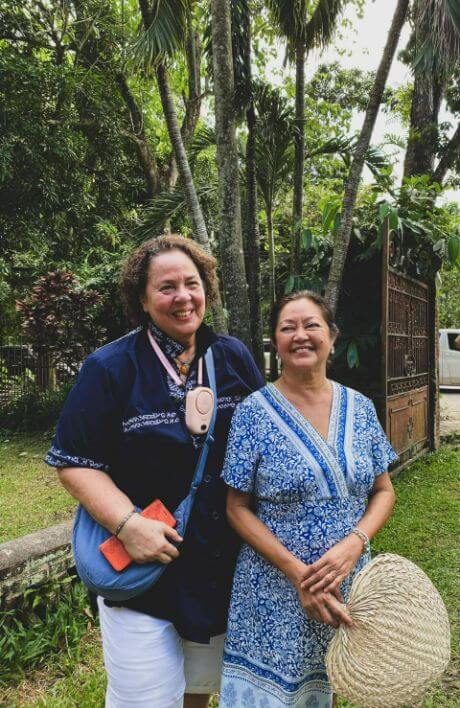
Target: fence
x=21, y=368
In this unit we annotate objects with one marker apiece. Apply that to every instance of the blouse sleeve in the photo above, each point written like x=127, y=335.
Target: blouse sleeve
x=242, y=449
x=87, y=427
x=381, y=451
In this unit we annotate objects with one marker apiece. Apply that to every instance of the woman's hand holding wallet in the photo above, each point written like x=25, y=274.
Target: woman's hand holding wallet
x=147, y=540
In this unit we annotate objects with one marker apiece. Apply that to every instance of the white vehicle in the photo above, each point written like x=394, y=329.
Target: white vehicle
x=449, y=358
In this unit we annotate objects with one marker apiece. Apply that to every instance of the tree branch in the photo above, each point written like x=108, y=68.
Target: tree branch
x=450, y=153
x=144, y=153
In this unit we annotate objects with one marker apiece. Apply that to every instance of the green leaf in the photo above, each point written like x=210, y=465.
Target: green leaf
x=337, y=220
x=290, y=283
x=166, y=33
x=453, y=249
x=329, y=212
x=393, y=220
x=307, y=239
x=352, y=355
x=384, y=210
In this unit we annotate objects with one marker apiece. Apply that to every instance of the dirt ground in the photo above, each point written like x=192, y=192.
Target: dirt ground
x=450, y=412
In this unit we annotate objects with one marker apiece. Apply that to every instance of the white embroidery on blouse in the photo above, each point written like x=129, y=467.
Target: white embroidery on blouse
x=56, y=457
x=149, y=419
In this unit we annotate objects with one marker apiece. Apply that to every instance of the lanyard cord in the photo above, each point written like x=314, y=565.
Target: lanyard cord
x=167, y=364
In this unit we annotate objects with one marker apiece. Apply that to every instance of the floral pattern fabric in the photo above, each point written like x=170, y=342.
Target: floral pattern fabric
x=310, y=492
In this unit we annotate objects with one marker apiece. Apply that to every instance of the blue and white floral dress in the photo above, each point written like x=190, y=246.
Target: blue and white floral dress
x=310, y=493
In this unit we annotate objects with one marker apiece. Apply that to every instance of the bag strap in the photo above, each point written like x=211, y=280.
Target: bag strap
x=183, y=511
x=198, y=476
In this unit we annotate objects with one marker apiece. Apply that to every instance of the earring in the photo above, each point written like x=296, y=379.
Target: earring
x=333, y=350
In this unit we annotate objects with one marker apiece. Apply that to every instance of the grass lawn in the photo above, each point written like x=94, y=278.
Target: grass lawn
x=31, y=495
x=424, y=527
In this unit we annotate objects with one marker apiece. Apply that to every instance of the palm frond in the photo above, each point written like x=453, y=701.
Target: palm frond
x=341, y=143
x=165, y=206
x=376, y=160
x=290, y=17
x=166, y=33
x=437, y=24
x=320, y=28
x=204, y=138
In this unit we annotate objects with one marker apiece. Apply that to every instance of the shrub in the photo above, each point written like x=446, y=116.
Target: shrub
x=32, y=410
x=50, y=619
x=59, y=319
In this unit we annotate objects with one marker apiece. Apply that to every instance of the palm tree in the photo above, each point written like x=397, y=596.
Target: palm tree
x=165, y=31
x=342, y=238
x=231, y=238
x=274, y=155
x=435, y=49
x=244, y=104
x=303, y=31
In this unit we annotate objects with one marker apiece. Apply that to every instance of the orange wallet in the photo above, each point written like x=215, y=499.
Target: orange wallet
x=113, y=549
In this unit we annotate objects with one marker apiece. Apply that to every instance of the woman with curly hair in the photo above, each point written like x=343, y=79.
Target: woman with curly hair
x=122, y=441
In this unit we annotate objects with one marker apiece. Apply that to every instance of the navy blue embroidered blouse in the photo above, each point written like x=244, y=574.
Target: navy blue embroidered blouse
x=120, y=417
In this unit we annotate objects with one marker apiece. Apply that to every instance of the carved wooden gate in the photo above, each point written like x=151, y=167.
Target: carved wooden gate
x=408, y=361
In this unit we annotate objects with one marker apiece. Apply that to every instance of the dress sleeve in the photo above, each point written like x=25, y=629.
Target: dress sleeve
x=382, y=452
x=87, y=428
x=242, y=449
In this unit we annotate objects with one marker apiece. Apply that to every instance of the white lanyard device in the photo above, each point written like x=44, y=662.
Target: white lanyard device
x=199, y=402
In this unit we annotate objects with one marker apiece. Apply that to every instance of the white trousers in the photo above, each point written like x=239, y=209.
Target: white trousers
x=148, y=664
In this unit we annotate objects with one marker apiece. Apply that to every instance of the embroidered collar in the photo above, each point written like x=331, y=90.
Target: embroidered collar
x=169, y=346
x=173, y=349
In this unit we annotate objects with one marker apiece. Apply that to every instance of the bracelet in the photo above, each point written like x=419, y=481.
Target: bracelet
x=124, y=520
x=364, y=538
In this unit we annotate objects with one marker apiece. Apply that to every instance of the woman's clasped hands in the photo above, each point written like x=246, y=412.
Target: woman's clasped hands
x=319, y=589
x=147, y=540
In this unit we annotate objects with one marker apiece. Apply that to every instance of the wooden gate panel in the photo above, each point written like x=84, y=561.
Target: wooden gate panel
x=407, y=420
x=406, y=358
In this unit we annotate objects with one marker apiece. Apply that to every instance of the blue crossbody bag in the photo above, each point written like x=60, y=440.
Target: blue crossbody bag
x=93, y=568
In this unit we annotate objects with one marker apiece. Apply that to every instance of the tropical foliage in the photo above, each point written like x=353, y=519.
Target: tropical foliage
x=108, y=136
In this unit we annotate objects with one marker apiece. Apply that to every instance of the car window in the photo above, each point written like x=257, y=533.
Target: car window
x=454, y=340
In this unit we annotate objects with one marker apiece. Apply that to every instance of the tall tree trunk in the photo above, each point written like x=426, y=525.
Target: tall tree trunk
x=429, y=89
x=342, y=239
x=175, y=136
x=251, y=223
x=271, y=280
x=192, y=100
x=233, y=270
x=423, y=132
x=146, y=158
x=200, y=231
x=299, y=147
x=252, y=243
x=426, y=101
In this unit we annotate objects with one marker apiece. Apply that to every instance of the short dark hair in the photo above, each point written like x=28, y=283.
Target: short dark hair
x=135, y=271
x=318, y=299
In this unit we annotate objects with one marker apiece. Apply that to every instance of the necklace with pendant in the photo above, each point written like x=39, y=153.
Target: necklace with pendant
x=184, y=365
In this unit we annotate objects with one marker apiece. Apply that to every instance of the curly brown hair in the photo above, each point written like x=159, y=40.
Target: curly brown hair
x=135, y=271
